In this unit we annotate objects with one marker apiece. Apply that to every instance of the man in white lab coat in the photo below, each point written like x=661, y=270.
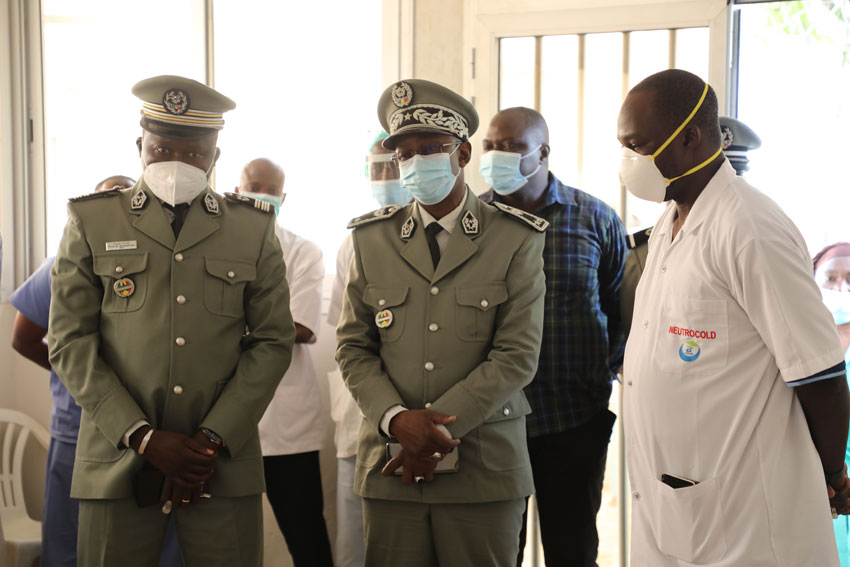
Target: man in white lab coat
x=292, y=430
x=736, y=404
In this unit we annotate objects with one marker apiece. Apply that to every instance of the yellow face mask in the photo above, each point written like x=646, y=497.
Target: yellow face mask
x=641, y=175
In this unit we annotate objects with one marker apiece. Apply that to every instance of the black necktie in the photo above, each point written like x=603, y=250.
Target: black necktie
x=431, y=232
x=179, y=212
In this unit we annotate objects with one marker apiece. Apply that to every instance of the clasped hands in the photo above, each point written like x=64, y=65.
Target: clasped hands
x=422, y=444
x=839, y=498
x=187, y=462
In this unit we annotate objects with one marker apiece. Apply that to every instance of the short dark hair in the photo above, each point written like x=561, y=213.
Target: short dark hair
x=676, y=93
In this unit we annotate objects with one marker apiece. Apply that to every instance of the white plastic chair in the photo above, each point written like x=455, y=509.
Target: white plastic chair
x=20, y=535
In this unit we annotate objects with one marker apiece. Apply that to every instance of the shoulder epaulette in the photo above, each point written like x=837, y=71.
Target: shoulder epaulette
x=538, y=224
x=249, y=202
x=381, y=214
x=97, y=195
x=639, y=238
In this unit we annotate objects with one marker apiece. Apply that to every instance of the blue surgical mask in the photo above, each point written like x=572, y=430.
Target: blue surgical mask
x=389, y=192
x=272, y=200
x=428, y=178
x=838, y=303
x=501, y=170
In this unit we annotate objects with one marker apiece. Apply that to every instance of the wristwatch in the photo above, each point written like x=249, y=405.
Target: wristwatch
x=214, y=437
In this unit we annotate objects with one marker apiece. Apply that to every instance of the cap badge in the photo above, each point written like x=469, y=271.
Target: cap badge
x=402, y=95
x=175, y=101
x=124, y=287
x=210, y=204
x=384, y=319
x=138, y=200
x=407, y=228
x=469, y=223
x=726, y=136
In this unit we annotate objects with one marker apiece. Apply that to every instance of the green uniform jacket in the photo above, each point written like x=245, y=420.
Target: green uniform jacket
x=175, y=352
x=463, y=341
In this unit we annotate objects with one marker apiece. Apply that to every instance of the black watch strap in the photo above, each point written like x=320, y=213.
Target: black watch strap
x=214, y=437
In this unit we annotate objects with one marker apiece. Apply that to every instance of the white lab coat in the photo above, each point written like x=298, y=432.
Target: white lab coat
x=727, y=319
x=293, y=421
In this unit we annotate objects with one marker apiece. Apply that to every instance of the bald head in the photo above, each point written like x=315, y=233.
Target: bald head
x=113, y=182
x=526, y=120
x=262, y=175
x=674, y=93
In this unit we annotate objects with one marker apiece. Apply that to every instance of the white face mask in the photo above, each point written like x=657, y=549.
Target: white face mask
x=175, y=182
x=641, y=175
x=838, y=303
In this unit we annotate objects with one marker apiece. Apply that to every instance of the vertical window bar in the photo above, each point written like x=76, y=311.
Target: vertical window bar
x=622, y=492
x=538, y=73
x=580, y=118
x=735, y=56
x=671, y=49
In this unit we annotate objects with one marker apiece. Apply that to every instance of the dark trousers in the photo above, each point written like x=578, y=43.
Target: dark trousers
x=568, y=469
x=294, y=489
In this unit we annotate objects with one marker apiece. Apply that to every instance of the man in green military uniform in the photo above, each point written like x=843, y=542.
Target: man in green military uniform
x=440, y=330
x=153, y=290
x=737, y=139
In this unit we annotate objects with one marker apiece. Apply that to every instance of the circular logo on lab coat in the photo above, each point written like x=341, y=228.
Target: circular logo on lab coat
x=689, y=351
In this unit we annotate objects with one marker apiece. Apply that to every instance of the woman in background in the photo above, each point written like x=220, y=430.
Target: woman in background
x=832, y=274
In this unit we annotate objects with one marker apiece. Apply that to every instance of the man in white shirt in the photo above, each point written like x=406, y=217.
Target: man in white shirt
x=736, y=404
x=291, y=430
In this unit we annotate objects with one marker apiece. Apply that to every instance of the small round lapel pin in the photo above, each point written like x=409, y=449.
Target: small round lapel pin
x=124, y=287
x=384, y=319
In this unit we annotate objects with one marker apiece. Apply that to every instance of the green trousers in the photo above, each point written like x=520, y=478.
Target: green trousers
x=414, y=534
x=215, y=532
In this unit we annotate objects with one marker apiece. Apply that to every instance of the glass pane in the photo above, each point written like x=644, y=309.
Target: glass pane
x=516, y=72
x=794, y=77
x=602, y=98
x=305, y=104
x=92, y=58
x=559, y=103
x=648, y=54
x=692, y=51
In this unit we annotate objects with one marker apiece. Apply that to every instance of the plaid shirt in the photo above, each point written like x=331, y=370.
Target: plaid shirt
x=583, y=340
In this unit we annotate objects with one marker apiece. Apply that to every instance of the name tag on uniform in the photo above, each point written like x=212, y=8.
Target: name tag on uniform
x=121, y=245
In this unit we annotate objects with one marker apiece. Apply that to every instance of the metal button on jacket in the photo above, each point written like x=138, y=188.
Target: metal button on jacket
x=119, y=269
x=178, y=389
x=181, y=299
x=178, y=257
x=429, y=366
x=435, y=290
x=433, y=327
x=180, y=341
x=231, y=274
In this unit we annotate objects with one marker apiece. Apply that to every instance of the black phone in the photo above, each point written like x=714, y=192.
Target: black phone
x=147, y=487
x=677, y=481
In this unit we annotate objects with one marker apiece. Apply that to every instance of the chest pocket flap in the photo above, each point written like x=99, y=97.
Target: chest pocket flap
x=389, y=300
x=231, y=271
x=383, y=297
x=120, y=265
x=483, y=298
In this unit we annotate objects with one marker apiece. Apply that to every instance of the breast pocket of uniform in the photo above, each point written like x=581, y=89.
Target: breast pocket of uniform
x=475, y=315
x=124, y=278
x=224, y=285
x=389, y=306
x=693, y=338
